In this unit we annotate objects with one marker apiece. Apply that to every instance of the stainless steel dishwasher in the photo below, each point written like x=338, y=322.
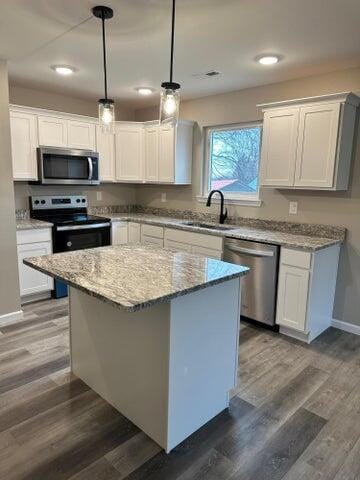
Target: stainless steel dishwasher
x=258, y=295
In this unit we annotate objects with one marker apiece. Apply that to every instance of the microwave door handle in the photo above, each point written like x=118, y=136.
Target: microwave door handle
x=90, y=168
x=251, y=252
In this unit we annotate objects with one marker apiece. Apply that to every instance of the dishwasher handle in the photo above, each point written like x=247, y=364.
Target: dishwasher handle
x=250, y=251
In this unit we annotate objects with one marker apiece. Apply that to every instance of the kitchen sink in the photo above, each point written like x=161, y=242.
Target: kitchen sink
x=209, y=226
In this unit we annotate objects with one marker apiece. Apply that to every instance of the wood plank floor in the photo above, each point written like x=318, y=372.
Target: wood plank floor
x=295, y=416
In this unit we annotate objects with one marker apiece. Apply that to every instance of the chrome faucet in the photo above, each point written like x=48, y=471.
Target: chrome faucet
x=223, y=214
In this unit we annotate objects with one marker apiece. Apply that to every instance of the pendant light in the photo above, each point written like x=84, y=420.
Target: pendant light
x=106, y=105
x=170, y=97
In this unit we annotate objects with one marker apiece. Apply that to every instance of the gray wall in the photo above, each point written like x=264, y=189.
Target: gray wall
x=341, y=208
x=9, y=280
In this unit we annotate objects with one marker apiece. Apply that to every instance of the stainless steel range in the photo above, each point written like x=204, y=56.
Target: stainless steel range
x=73, y=229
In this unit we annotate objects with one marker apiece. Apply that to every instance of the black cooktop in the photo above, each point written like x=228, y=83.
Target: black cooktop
x=72, y=219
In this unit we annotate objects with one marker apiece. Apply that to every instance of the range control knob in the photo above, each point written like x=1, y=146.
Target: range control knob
x=36, y=202
x=43, y=202
x=83, y=200
x=68, y=244
x=78, y=200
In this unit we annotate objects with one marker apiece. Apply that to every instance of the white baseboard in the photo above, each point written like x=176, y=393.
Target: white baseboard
x=347, y=327
x=10, y=317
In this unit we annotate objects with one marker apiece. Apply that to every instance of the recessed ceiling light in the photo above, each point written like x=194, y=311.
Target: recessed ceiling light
x=63, y=69
x=144, y=90
x=268, y=59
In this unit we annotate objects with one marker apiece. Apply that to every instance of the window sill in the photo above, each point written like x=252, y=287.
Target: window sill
x=245, y=202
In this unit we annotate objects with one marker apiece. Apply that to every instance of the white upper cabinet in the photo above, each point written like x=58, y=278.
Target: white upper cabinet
x=168, y=152
x=23, y=145
x=307, y=143
x=81, y=135
x=279, y=146
x=129, y=152
x=105, y=146
x=151, y=149
x=52, y=131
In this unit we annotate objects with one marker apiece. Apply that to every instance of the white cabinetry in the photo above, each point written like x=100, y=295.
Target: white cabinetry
x=198, y=243
x=119, y=233
x=81, y=135
x=32, y=243
x=307, y=143
x=152, y=235
x=306, y=290
x=52, y=131
x=129, y=152
x=168, y=152
x=105, y=146
x=134, y=235
x=23, y=145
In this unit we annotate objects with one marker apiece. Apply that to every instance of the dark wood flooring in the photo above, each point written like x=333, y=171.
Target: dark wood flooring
x=296, y=415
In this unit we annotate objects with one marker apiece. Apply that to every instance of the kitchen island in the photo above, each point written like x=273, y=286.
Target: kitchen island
x=154, y=332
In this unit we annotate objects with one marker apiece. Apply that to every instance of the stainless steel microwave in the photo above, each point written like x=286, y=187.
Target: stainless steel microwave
x=65, y=166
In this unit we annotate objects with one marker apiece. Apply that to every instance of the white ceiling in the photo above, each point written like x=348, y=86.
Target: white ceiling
x=314, y=36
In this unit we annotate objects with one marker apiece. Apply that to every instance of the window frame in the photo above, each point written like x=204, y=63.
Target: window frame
x=251, y=199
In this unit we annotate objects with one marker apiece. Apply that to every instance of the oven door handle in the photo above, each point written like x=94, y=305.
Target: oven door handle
x=90, y=168
x=250, y=251
x=82, y=227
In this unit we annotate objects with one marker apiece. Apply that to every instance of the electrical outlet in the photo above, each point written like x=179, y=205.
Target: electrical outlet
x=163, y=197
x=99, y=196
x=293, y=208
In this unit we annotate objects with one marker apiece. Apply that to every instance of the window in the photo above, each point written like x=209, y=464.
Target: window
x=232, y=161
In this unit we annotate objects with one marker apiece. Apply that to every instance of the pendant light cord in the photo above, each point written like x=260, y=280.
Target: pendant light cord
x=172, y=40
x=104, y=56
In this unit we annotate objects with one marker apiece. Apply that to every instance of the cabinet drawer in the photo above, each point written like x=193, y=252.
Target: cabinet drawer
x=33, y=236
x=148, y=240
x=207, y=252
x=202, y=240
x=177, y=246
x=152, y=231
x=295, y=258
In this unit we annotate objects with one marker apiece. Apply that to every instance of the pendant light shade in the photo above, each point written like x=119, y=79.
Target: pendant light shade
x=106, y=105
x=170, y=96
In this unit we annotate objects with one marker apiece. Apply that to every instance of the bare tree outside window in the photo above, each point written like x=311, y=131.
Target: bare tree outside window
x=234, y=159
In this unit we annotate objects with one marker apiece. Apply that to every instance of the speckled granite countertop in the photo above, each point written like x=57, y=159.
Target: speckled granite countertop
x=134, y=277
x=275, y=237
x=30, y=223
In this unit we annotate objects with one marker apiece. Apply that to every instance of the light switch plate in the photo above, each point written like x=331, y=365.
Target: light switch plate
x=163, y=197
x=293, y=208
x=99, y=196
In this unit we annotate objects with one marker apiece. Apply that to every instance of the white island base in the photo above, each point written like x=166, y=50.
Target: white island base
x=168, y=368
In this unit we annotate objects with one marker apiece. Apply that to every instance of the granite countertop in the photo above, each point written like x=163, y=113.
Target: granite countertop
x=274, y=237
x=134, y=277
x=30, y=223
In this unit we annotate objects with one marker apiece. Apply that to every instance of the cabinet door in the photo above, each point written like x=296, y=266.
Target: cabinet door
x=129, y=153
x=32, y=281
x=151, y=150
x=134, y=232
x=23, y=145
x=52, y=131
x=207, y=252
x=278, y=151
x=316, y=153
x=292, y=297
x=167, y=154
x=119, y=233
x=148, y=240
x=177, y=246
x=105, y=145
x=81, y=135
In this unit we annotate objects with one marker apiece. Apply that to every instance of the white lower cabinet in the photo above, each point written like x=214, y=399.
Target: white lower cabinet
x=119, y=233
x=134, y=232
x=198, y=243
x=33, y=243
x=152, y=235
x=306, y=291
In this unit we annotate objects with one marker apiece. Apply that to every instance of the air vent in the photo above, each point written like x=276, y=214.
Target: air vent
x=209, y=74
